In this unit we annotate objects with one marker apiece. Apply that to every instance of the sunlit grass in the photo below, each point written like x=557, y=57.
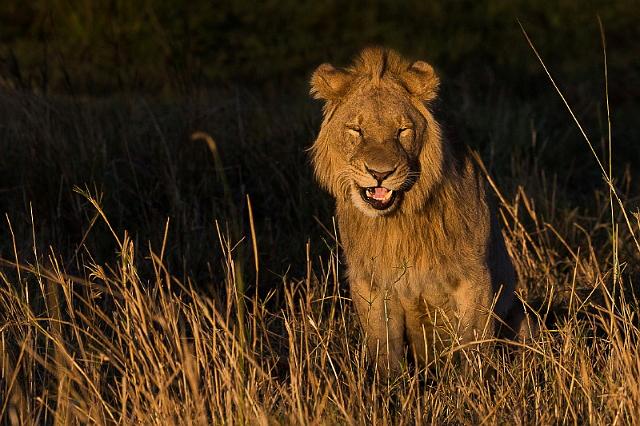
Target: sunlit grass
x=115, y=347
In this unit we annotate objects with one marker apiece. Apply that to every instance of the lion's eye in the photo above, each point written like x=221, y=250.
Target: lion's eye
x=355, y=131
x=404, y=131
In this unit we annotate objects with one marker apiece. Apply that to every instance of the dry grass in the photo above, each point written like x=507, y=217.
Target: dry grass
x=114, y=347
x=132, y=338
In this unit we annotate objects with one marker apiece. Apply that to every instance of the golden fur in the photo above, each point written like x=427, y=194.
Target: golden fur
x=432, y=267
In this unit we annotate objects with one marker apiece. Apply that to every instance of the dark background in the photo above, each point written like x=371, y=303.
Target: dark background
x=175, y=47
x=105, y=95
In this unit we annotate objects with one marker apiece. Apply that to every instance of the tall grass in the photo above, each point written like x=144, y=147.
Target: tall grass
x=110, y=314
x=115, y=347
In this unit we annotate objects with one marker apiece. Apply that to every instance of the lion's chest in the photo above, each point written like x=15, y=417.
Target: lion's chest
x=410, y=258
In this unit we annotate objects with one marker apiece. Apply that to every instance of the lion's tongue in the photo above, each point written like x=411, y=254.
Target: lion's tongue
x=380, y=193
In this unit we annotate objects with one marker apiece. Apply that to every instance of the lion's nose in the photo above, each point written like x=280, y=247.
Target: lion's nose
x=379, y=176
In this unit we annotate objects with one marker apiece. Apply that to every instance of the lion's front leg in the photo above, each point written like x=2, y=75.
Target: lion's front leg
x=382, y=318
x=474, y=298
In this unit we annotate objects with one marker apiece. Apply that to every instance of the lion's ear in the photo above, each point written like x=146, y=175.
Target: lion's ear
x=329, y=83
x=421, y=81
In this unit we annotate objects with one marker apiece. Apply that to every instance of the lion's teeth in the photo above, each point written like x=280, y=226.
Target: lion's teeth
x=379, y=193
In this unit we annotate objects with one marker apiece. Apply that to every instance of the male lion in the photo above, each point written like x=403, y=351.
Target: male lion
x=425, y=256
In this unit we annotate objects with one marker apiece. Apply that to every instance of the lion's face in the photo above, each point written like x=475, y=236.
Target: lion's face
x=370, y=147
x=378, y=148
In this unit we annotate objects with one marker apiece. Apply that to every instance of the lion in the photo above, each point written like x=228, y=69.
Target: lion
x=426, y=261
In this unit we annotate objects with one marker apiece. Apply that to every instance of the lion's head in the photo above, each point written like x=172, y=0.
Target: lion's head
x=379, y=146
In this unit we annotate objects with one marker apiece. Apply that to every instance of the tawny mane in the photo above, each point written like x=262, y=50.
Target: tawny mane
x=376, y=62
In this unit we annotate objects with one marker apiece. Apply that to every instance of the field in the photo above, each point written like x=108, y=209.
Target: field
x=170, y=260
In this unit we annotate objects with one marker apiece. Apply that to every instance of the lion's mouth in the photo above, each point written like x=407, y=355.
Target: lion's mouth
x=378, y=197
